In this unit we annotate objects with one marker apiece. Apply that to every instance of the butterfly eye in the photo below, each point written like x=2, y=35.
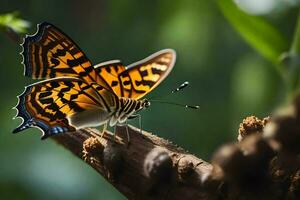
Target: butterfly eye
x=146, y=103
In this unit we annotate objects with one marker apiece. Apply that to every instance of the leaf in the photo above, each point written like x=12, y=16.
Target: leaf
x=259, y=34
x=12, y=21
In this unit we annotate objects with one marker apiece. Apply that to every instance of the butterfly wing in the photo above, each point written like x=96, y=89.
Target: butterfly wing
x=110, y=71
x=141, y=77
x=49, y=105
x=50, y=53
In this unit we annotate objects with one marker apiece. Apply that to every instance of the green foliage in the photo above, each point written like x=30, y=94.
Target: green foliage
x=228, y=80
x=260, y=34
x=269, y=42
x=14, y=22
x=291, y=61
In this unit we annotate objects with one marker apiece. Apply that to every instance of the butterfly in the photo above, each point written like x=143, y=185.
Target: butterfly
x=76, y=94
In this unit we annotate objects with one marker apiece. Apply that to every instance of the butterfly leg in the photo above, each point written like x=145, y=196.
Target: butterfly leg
x=103, y=130
x=127, y=133
x=139, y=118
x=115, y=133
x=140, y=122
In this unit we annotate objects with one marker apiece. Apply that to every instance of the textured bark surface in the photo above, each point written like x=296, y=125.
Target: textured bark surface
x=149, y=168
x=264, y=164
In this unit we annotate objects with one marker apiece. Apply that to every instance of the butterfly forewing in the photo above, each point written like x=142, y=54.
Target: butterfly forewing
x=50, y=53
x=138, y=79
x=110, y=71
x=49, y=104
x=142, y=77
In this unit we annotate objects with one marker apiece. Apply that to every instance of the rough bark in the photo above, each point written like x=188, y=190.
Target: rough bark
x=148, y=168
x=264, y=164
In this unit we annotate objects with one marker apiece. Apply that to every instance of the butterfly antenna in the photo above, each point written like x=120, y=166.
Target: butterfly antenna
x=177, y=104
x=181, y=87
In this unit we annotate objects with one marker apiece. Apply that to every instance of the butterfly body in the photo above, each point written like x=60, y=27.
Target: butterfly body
x=118, y=114
x=128, y=108
x=75, y=94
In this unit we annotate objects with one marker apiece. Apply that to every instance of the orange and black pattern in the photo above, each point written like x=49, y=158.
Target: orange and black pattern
x=110, y=71
x=48, y=104
x=50, y=53
x=108, y=92
x=138, y=79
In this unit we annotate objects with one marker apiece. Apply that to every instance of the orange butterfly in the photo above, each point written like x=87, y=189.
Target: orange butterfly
x=77, y=94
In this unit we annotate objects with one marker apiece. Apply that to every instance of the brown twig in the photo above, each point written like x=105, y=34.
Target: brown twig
x=153, y=168
x=150, y=168
x=264, y=164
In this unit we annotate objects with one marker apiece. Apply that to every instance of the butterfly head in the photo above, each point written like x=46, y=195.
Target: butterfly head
x=145, y=103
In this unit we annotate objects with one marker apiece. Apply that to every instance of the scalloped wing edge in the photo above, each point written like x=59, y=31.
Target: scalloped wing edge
x=28, y=121
x=26, y=41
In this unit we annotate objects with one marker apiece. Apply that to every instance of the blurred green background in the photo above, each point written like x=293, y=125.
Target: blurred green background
x=230, y=58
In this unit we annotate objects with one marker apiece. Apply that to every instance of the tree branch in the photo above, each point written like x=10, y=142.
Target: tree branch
x=149, y=168
x=263, y=165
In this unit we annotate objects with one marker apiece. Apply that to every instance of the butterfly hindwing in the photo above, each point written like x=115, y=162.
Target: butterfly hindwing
x=49, y=104
x=50, y=53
